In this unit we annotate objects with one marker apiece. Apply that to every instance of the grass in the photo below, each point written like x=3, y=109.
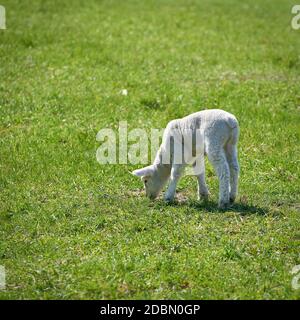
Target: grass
x=72, y=228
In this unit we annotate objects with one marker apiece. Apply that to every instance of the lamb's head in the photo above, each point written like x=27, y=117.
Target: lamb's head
x=153, y=180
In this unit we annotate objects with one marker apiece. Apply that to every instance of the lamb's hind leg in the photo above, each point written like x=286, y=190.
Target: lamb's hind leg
x=199, y=171
x=232, y=159
x=216, y=156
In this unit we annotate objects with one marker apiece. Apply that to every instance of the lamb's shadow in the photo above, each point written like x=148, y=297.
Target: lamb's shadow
x=211, y=206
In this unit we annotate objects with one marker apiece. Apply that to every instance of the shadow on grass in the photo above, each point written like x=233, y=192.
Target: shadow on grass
x=211, y=206
x=183, y=201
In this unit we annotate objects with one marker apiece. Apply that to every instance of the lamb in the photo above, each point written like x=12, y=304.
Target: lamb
x=211, y=132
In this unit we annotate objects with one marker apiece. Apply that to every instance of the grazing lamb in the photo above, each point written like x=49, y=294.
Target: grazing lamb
x=211, y=132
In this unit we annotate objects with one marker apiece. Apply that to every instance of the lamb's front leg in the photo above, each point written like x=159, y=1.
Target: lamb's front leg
x=176, y=173
x=199, y=171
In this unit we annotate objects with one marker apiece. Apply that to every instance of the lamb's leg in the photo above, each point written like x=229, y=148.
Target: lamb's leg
x=216, y=156
x=176, y=172
x=232, y=159
x=199, y=170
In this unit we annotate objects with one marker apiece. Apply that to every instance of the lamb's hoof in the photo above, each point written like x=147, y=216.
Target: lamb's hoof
x=223, y=205
x=203, y=196
x=232, y=199
x=169, y=199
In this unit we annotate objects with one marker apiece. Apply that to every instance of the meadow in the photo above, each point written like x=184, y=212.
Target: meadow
x=71, y=228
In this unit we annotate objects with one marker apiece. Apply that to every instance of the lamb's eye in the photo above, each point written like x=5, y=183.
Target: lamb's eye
x=145, y=181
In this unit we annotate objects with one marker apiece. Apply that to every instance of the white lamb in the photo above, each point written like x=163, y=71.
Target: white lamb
x=214, y=133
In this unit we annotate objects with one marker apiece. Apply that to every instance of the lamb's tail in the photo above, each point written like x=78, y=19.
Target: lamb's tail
x=235, y=130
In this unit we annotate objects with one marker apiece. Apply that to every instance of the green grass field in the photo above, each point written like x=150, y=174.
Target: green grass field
x=71, y=228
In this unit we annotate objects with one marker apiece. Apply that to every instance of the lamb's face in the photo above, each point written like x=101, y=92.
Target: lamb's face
x=152, y=180
x=152, y=187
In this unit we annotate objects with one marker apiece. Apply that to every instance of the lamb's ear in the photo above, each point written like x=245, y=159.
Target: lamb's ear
x=147, y=171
